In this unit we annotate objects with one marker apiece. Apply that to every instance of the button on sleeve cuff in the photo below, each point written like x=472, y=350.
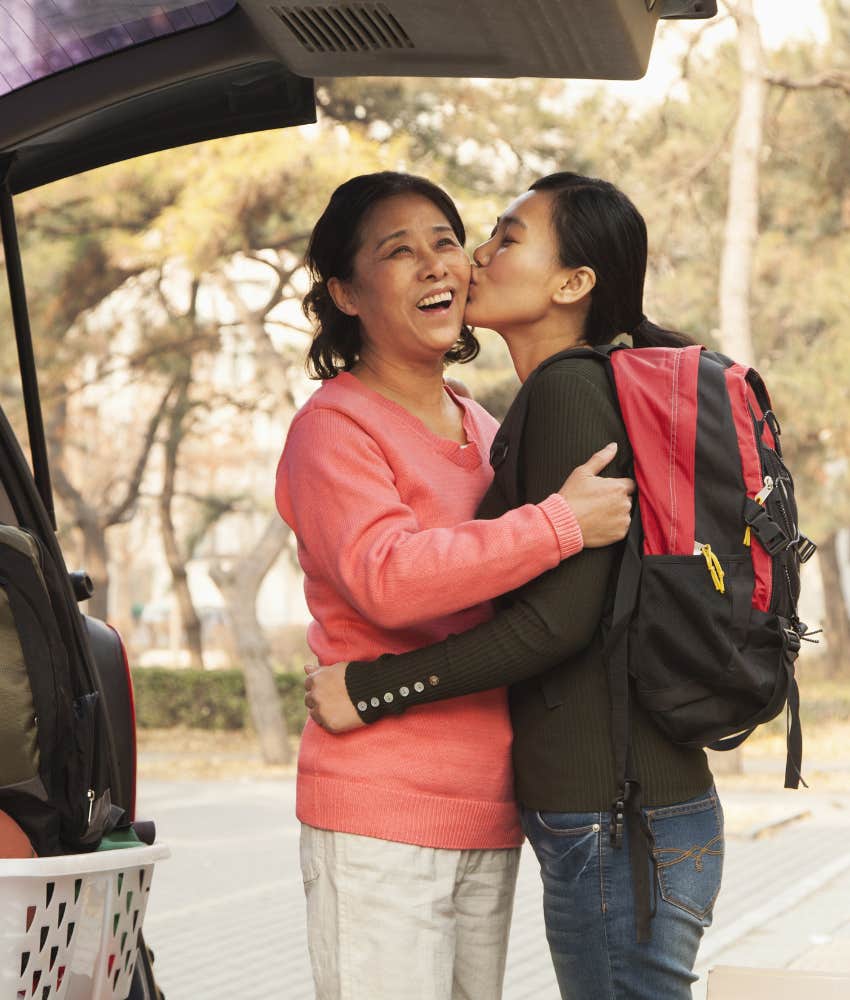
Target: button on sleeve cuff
x=372, y=699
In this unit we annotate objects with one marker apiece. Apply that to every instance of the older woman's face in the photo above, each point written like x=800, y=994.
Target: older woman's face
x=409, y=281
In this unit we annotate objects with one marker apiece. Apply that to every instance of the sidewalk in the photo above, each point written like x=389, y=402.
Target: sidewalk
x=785, y=901
x=226, y=912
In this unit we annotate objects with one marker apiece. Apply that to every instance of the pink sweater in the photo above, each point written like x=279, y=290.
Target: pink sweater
x=383, y=510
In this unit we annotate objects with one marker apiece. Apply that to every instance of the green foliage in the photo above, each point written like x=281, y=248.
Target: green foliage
x=208, y=699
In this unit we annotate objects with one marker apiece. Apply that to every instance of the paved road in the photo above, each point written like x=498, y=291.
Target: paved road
x=226, y=911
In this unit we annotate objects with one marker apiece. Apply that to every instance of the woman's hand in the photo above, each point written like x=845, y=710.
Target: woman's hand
x=602, y=506
x=327, y=698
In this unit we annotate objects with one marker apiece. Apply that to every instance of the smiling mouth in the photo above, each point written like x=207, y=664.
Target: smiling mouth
x=438, y=302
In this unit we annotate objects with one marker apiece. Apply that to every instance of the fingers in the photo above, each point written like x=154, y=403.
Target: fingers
x=615, y=487
x=309, y=699
x=311, y=685
x=597, y=461
x=314, y=712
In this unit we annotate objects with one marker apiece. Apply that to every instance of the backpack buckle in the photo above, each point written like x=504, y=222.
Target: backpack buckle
x=618, y=822
x=768, y=532
x=806, y=548
x=792, y=639
x=618, y=812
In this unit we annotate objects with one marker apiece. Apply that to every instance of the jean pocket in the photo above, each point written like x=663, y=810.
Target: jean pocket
x=688, y=852
x=566, y=844
x=567, y=824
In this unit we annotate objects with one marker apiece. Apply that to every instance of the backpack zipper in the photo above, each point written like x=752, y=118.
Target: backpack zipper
x=760, y=498
x=765, y=491
x=781, y=507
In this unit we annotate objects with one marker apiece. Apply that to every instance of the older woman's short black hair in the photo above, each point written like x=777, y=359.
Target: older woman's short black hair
x=330, y=254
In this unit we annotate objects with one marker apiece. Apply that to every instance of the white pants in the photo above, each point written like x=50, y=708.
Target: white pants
x=389, y=921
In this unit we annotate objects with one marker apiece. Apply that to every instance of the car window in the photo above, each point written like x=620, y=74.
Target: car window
x=39, y=38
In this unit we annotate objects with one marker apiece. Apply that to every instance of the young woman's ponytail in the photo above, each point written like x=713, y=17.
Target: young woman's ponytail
x=648, y=334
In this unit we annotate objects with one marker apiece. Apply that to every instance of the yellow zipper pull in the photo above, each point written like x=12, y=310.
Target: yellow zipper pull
x=714, y=567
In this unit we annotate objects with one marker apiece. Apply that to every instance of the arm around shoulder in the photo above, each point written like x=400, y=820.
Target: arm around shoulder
x=548, y=620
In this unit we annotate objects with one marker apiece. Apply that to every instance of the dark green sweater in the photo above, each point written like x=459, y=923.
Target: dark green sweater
x=545, y=639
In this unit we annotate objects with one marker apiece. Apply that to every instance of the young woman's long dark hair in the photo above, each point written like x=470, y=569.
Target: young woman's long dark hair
x=597, y=226
x=330, y=254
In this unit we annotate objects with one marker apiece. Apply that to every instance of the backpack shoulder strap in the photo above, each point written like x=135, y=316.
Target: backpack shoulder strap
x=504, y=452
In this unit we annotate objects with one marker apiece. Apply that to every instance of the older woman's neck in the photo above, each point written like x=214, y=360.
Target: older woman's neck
x=411, y=385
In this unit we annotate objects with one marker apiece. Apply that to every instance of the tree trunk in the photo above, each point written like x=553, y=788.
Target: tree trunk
x=87, y=519
x=741, y=229
x=837, y=623
x=239, y=586
x=176, y=562
x=742, y=213
x=95, y=563
x=93, y=519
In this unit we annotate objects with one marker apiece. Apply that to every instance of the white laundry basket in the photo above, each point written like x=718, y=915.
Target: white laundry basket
x=69, y=926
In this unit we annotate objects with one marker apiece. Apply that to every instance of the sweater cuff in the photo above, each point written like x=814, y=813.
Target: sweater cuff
x=564, y=523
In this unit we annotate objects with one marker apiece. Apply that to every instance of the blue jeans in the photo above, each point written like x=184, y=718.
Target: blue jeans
x=588, y=902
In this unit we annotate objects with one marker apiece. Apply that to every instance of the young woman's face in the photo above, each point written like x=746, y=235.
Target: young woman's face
x=409, y=282
x=518, y=267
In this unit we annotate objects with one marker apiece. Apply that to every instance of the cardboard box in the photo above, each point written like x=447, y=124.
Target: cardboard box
x=731, y=983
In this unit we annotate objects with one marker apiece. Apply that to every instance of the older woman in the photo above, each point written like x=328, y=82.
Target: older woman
x=409, y=830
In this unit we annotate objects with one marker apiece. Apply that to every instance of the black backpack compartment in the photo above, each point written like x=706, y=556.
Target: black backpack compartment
x=58, y=788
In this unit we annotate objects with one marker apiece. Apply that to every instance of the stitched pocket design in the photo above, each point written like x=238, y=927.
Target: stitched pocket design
x=689, y=851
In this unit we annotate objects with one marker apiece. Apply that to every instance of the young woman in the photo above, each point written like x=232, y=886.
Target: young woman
x=565, y=268
x=410, y=830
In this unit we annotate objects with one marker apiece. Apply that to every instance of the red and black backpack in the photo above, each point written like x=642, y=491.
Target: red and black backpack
x=705, y=617
x=705, y=612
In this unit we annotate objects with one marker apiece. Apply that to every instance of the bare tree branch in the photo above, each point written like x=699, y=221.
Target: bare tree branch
x=831, y=79
x=698, y=168
x=694, y=40
x=122, y=510
x=289, y=241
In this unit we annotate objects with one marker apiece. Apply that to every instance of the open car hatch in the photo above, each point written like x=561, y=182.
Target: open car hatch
x=88, y=82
